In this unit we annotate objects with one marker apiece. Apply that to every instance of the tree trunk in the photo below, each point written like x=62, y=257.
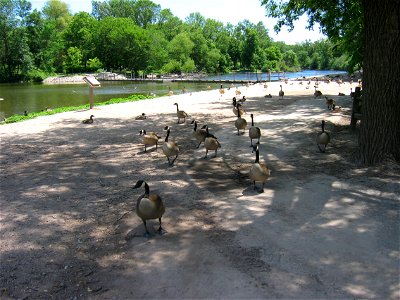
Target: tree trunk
x=380, y=124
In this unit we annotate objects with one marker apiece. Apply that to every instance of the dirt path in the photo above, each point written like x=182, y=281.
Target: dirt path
x=323, y=228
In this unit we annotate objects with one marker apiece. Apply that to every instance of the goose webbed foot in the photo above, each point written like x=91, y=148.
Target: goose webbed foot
x=321, y=148
x=161, y=231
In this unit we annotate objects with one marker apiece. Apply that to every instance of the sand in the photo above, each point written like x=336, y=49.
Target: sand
x=324, y=227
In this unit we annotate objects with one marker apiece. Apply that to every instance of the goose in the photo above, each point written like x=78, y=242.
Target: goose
x=323, y=138
x=236, y=107
x=237, y=92
x=170, y=148
x=149, y=207
x=240, y=123
x=141, y=117
x=317, y=93
x=170, y=92
x=211, y=142
x=268, y=96
x=330, y=103
x=88, y=121
x=281, y=92
x=254, y=132
x=242, y=100
x=181, y=114
x=259, y=171
x=221, y=90
x=199, y=134
x=149, y=139
x=25, y=113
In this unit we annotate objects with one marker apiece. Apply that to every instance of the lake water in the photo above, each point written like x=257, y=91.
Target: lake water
x=16, y=98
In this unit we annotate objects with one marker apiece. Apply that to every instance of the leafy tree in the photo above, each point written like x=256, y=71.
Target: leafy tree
x=180, y=48
x=73, y=60
x=290, y=58
x=168, y=24
x=250, y=46
x=369, y=31
x=58, y=12
x=122, y=44
x=15, y=56
x=79, y=34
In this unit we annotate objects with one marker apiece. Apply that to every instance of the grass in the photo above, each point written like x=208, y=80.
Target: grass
x=20, y=118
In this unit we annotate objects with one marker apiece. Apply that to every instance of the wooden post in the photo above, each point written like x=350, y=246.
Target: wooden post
x=91, y=97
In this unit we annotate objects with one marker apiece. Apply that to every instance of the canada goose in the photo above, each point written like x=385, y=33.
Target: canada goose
x=149, y=206
x=323, y=138
x=170, y=148
x=25, y=113
x=330, y=103
x=221, y=90
x=181, y=114
x=268, y=96
x=236, y=107
x=88, y=121
x=259, y=171
x=141, y=117
x=240, y=123
x=170, y=92
x=149, y=139
x=237, y=92
x=199, y=134
x=281, y=92
x=254, y=132
x=242, y=100
x=341, y=94
x=211, y=142
x=317, y=93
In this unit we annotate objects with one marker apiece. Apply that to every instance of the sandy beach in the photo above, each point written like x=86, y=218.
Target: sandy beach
x=324, y=227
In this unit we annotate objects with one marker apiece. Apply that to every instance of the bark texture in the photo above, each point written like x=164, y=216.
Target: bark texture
x=380, y=126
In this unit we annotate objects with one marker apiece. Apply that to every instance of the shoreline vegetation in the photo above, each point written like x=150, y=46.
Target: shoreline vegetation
x=48, y=112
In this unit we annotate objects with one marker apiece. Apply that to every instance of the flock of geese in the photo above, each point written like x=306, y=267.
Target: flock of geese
x=150, y=205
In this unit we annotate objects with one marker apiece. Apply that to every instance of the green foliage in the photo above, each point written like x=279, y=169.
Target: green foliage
x=341, y=21
x=139, y=37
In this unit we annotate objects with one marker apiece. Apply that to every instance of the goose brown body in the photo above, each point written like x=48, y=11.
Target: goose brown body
x=254, y=132
x=149, y=206
x=141, y=117
x=323, y=138
x=181, y=114
x=149, y=139
x=281, y=92
x=237, y=106
x=240, y=123
x=259, y=171
x=170, y=148
x=211, y=143
x=199, y=134
x=88, y=121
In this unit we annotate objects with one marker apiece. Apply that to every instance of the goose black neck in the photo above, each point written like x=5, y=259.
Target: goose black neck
x=238, y=110
x=257, y=156
x=195, y=125
x=252, y=122
x=166, y=138
x=207, y=132
x=323, y=126
x=146, y=189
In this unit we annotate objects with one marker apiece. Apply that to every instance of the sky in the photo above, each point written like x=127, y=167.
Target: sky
x=226, y=11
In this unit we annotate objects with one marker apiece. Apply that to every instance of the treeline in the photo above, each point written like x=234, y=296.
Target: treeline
x=138, y=36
